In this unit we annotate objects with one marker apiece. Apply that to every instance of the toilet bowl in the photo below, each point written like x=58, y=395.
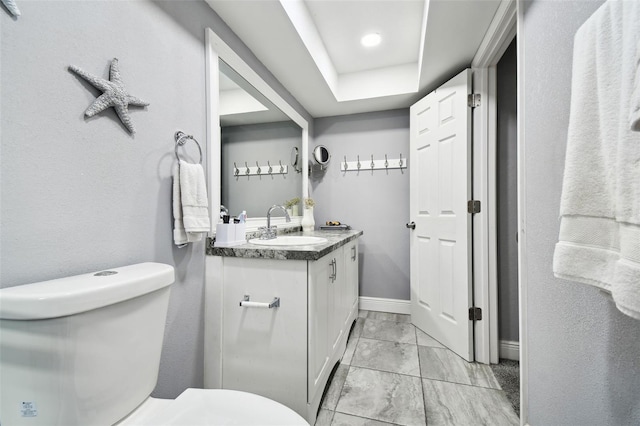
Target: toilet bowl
x=85, y=350
x=202, y=407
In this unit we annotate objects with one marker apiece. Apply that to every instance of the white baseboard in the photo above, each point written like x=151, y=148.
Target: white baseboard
x=510, y=350
x=380, y=304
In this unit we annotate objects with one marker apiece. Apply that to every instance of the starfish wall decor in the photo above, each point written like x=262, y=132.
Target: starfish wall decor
x=114, y=94
x=12, y=7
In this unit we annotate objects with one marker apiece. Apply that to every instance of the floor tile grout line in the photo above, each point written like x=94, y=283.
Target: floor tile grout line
x=384, y=371
x=462, y=384
x=395, y=341
x=368, y=418
x=390, y=341
x=424, y=399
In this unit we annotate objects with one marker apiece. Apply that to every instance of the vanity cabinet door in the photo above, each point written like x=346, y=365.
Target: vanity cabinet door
x=351, y=261
x=320, y=306
x=264, y=350
x=337, y=291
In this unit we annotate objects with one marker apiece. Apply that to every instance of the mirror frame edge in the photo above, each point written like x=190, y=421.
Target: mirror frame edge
x=217, y=49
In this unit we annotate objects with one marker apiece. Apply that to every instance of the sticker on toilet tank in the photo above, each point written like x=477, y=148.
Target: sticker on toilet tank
x=28, y=409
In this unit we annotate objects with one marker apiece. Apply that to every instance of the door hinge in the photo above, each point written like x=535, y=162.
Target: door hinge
x=475, y=314
x=473, y=100
x=473, y=206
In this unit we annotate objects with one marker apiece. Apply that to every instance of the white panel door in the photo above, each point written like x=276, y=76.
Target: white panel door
x=440, y=243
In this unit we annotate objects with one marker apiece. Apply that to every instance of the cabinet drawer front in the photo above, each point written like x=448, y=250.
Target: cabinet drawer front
x=262, y=347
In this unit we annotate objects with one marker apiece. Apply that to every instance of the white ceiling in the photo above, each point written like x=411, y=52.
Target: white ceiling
x=341, y=25
x=313, y=47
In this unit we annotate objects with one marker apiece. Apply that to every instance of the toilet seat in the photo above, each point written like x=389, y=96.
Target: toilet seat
x=206, y=407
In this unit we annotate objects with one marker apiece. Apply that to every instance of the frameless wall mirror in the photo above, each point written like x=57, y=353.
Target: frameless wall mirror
x=252, y=133
x=256, y=141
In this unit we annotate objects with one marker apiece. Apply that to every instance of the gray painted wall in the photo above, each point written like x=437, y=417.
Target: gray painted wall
x=583, y=353
x=507, y=194
x=259, y=142
x=376, y=202
x=83, y=195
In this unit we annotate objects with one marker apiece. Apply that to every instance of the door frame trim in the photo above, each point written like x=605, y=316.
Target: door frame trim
x=506, y=23
x=498, y=37
x=522, y=245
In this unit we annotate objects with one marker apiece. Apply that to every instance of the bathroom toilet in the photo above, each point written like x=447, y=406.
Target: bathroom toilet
x=85, y=350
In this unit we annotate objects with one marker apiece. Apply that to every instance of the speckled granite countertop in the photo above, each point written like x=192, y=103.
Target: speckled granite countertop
x=335, y=239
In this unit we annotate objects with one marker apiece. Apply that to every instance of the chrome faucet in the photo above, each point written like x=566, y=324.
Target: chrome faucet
x=274, y=207
x=269, y=232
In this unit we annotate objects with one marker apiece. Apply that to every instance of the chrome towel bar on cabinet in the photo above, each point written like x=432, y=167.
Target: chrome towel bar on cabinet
x=246, y=303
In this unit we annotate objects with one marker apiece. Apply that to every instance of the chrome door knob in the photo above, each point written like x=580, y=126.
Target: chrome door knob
x=411, y=225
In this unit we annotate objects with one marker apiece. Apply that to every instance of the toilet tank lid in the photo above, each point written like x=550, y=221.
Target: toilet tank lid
x=81, y=293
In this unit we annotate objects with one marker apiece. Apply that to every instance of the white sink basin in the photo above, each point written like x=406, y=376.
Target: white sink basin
x=290, y=240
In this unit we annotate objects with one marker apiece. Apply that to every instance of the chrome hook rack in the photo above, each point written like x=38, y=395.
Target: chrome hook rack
x=382, y=164
x=260, y=169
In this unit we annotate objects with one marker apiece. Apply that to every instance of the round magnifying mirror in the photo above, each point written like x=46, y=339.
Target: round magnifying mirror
x=321, y=155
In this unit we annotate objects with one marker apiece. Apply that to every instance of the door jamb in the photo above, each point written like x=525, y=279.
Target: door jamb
x=498, y=37
x=508, y=20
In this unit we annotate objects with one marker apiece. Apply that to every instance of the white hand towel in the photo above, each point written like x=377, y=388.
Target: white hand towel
x=180, y=234
x=599, y=241
x=193, y=196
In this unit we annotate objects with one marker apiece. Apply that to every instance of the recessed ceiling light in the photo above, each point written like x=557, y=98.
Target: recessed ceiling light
x=371, y=40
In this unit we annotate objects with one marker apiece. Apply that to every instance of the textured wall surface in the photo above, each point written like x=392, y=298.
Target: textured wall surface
x=376, y=202
x=507, y=195
x=79, y=195
x=259, y=142
x=583, y=353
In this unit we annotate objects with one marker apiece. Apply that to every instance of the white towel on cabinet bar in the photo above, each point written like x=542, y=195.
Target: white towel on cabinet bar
x=599, y=241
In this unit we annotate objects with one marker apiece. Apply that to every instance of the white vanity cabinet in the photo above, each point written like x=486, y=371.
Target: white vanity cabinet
x=287, y=353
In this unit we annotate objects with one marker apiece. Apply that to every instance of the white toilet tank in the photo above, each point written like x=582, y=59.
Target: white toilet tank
x=82, y=350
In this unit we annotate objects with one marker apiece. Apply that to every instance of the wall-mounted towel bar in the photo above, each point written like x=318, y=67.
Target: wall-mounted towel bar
x=246, y=303
x=371, y=164
x=181, y=139
x=260, y=170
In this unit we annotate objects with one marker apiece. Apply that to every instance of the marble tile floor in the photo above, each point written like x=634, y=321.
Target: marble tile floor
x=394, y=374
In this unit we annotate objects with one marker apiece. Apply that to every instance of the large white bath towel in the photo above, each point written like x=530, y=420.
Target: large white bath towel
x=190, y=203
x=634, y=107
x=599, y=241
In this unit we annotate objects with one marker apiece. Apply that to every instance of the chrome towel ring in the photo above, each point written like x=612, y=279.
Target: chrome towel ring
x=181, y=139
